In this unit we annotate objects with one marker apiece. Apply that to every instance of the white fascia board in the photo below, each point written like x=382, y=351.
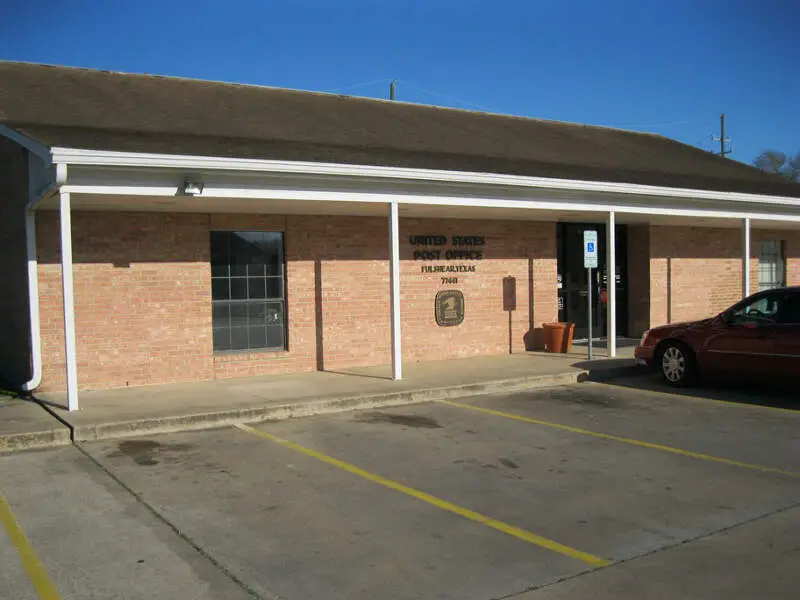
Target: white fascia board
x=204, y=163
x=26, y=142
x=439, y=200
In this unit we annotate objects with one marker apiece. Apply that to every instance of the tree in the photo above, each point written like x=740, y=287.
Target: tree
x=779, y=163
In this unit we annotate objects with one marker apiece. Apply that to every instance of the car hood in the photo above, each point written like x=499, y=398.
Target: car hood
x=669, y=329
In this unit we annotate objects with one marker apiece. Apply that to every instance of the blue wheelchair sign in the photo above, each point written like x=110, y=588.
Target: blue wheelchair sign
x=590, y=249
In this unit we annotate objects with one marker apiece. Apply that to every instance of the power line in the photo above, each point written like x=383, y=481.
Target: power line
x=669, y=124
x=445, y=97
x=393, y=88
x=359, y=85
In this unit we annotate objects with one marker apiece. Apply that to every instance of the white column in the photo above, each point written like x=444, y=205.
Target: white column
x=69, y=302
x=611, y=286
x=745, y=257
x=394, y=282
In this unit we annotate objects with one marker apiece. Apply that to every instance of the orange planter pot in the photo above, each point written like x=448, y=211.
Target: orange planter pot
x=558, y=337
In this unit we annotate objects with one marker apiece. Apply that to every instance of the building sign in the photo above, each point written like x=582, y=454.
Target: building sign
x=589, y=249
x=449, y=308
x=433, y=248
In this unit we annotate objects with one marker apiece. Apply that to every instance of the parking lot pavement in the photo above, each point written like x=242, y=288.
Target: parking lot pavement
x=524, y=495
x=753, y=560
x=68, y=531
x=688, y=419
x=389, y=504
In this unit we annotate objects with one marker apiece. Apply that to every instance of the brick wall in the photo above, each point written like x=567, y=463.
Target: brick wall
x=523, y=251
x=697, y=272
x=142, y=298
x=143, y=302
x=337, y=276
x=14, y=330
x=638, y=279
x=694, y=272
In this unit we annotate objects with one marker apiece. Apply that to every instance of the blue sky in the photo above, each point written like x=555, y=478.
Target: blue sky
x=669, y=67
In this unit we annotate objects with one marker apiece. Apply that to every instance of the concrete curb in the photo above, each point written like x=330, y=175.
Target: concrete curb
x=11, y=442
x=306, y=408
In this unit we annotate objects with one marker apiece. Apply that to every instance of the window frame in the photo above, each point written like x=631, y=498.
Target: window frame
x=777, y=264
x=247, y=302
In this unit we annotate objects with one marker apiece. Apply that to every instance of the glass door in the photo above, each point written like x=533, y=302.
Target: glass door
x=573, y=282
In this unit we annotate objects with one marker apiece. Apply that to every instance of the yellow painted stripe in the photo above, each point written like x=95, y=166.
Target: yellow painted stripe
x=522, y=534
x=33, y=566
x=624, y=440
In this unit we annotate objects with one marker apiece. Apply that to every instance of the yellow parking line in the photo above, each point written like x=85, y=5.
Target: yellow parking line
x=617, y=438
x=522, y=534
x=27, y=555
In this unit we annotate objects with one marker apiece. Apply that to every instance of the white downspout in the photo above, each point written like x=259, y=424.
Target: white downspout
x=33, y=302
x=33, y=275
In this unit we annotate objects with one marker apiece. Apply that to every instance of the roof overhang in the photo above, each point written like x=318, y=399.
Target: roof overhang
x=107, y=180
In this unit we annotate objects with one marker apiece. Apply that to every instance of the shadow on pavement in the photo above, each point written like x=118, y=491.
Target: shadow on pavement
x=606, y=369
x=756, y=393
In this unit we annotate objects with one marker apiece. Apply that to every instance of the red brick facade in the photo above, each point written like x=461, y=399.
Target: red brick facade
x=694, y=272
x=142, y=298
x=143, y=295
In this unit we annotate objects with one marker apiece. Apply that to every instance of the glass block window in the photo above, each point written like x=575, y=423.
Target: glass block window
x=771, y=265
x=247, y=290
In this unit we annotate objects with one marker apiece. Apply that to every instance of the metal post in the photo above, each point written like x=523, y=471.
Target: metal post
x=589, y=271
x=394, y=282
x=746, y=257
x=611, y=289
x=67, y=289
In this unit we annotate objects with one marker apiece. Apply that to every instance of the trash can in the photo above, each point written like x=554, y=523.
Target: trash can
x=558, y=337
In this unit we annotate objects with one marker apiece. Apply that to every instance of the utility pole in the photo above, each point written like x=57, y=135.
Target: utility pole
x=722, y=139
x=392, y=89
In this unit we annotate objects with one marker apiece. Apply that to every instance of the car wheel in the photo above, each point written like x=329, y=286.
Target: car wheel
x=677, y=364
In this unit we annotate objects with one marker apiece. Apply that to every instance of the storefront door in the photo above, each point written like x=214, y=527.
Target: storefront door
x=573, y=284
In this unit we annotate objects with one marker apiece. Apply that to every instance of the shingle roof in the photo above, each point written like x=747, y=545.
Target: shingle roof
x=101, y=110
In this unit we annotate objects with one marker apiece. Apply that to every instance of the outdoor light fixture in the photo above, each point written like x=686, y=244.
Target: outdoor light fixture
x=191, y=188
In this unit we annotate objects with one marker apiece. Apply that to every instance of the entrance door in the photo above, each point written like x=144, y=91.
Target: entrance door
x=573, y=292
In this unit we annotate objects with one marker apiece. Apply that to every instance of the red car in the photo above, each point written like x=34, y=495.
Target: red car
x=758, y=337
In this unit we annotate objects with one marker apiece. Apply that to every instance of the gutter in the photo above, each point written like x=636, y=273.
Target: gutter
x=107, y=158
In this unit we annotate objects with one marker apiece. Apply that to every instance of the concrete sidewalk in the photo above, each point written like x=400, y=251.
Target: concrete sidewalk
x=25, y=424
x=201, y=405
